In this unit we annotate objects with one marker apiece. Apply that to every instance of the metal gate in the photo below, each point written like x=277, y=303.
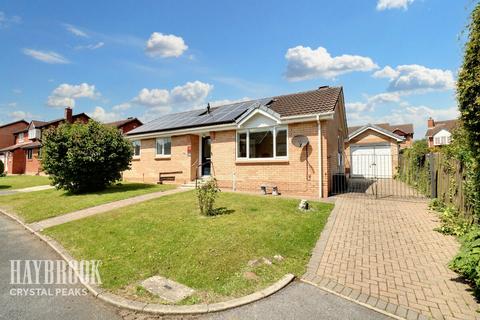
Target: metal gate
x=377, y=175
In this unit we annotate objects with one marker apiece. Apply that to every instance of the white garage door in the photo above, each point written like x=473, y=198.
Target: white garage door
x=371, y=161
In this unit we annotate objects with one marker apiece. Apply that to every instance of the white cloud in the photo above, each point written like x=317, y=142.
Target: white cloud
x=373, y=101
x=19, y=115
x=76, y=31
x=416, y=78
x=190, y=93
x=122, y=106
x=165, y=45
x=306, y=63
x=65, y=94
x=100, y=114
x=46, y=56
x=92, y=46
x=393, y=4
x=6, y=21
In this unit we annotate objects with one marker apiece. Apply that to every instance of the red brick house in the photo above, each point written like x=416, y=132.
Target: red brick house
x=7, y=138
x=249, y=144
x=23, y=157
x=125, y=125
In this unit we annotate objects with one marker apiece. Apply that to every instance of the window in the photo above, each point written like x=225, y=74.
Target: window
x=264, y=143
x=29, y=154
x=164, y=146
x=39, y=153
x=20, y=137
x=136, y=148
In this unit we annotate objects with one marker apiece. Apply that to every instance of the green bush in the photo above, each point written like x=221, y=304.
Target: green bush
x=85, y=157
x=414, y=167
x=2, y=169
x=207, y=194
x=467, y=261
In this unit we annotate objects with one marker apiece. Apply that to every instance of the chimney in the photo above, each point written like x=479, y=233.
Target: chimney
x=430, y=123
x=68, y=115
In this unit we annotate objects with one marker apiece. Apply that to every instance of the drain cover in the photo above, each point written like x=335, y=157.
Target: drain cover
x=167, y=289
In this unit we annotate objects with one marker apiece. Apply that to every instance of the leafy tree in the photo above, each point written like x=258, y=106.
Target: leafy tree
x=85, y=157
x=2, y=169
x=468, y=96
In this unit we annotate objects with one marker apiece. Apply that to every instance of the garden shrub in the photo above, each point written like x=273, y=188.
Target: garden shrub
x=85, y=157
x=414, y=166
x=207, y=194
x=467, y=261
x=2, y=169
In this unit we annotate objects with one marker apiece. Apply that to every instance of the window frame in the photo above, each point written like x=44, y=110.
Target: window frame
x=274, y=129
x=21, y=137
x=29, y=154
x=163, y=154
x=139, y=149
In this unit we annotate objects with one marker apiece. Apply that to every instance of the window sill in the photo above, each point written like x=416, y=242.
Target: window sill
x=253, y=161
x=136, y=158
x=163, y=157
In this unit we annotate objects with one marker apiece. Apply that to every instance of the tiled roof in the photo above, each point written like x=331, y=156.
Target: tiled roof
x=321, y=100
x=120, y=123
x=12, y=123
x=448, y=125
x=407, y=127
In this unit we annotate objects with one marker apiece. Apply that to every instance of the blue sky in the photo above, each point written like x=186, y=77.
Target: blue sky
x=396, y=59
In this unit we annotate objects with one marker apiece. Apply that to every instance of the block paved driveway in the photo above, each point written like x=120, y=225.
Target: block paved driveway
x=385, y=253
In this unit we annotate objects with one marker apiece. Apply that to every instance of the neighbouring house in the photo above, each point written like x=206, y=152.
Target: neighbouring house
x=440, y=132
x=7, y=138
x=24, y=156
x=125, y=125
x=372, y=150
x=249, y=144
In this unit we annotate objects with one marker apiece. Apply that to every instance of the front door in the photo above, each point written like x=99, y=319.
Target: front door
x=206, y=156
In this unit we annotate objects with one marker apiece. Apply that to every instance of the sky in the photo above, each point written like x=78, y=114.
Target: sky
x=397, y=60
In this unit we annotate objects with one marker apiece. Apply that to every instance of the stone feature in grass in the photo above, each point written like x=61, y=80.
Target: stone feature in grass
x=166, y=289
x=168, y=237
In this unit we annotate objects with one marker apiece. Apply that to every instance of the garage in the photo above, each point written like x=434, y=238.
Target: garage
x=371, y=161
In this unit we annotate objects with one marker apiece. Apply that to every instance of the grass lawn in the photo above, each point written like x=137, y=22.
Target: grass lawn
x=168, y=237
x=19, y=182
x=40, y=205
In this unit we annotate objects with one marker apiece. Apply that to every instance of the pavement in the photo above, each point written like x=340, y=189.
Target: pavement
x=386, y=253
x=80, y=214
x=29, y=189
x=17, y=243
x=297, y=301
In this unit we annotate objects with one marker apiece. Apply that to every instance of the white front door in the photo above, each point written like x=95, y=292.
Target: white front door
x=371, y=161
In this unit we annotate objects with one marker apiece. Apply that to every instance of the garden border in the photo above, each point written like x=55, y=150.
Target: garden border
x=153, y=307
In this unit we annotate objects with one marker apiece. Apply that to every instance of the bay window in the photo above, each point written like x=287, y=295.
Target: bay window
x=262, y=143
x=164, y=146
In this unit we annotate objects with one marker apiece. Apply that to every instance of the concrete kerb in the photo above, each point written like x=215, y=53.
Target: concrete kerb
x=149, y=307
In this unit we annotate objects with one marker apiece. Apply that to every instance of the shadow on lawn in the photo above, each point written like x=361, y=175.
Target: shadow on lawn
x=116, y=188
x=222, y=211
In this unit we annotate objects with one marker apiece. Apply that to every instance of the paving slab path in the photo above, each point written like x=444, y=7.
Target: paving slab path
x=80, y=214
x=385, y=253
x=29, y=189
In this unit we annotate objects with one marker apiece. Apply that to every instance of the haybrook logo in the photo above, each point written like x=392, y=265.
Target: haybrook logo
x=54, y=273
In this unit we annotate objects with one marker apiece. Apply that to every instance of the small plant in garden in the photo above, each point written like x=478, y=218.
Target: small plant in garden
x=467, y=261
x=207, y=194
x=85, y=157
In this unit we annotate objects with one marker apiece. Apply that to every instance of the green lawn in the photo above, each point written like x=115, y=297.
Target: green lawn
x=167, y=236
x=39, y=205
x=19, y=182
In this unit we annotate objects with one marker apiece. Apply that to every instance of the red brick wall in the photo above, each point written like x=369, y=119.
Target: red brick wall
x=16, y=162
x=7, y=137
x=32, y=166
x=130, y=126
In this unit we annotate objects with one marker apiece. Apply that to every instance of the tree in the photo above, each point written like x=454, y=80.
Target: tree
x=468, y=96
x=85, y=157
x=2, y=169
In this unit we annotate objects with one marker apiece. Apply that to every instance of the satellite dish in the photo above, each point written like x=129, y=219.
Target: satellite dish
x=300, y=141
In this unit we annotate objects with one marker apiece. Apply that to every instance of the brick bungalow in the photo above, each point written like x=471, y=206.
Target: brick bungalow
x=248, y=144
x=24, y=156
x=372, y=150
x=7, y=138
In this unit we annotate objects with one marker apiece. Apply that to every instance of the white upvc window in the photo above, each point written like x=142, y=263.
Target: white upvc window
x=21, y=137
x=164, y=147
x=137, y=145
x=262, y=143
x=34, y=134
x=442, y=138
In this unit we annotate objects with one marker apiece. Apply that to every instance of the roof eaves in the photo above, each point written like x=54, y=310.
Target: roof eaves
x=375, y=128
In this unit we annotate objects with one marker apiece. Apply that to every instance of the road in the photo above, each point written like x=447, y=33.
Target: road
x=297, y=301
